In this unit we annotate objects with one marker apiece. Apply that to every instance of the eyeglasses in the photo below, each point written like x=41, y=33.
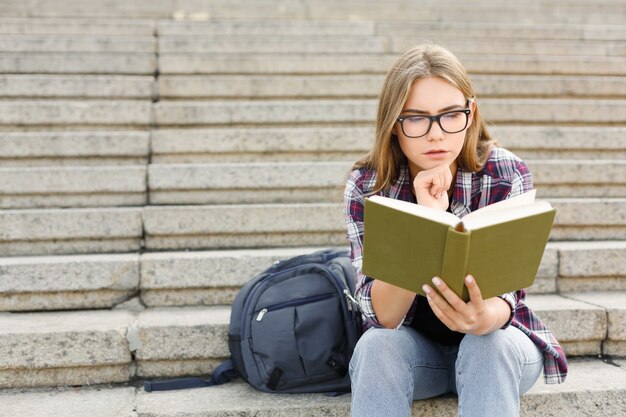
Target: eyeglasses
x=450, y=122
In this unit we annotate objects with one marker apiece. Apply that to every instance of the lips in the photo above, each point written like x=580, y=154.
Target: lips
x=436, y=151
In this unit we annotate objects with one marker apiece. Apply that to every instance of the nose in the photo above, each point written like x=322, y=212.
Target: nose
x=435, y=132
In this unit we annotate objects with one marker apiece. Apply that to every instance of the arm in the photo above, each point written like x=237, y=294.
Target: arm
x=382, y=304
x=390, y=303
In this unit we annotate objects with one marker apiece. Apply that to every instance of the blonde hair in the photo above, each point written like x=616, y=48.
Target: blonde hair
x=422, y=61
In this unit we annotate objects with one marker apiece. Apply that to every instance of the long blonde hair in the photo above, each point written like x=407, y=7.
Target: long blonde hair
x=422, y=61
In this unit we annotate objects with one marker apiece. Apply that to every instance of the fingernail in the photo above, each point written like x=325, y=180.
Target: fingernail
x=426, y=289
x=437, y=281
x=468, y=279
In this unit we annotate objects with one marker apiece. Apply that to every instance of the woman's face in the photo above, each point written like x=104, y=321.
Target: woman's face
x=433, y=96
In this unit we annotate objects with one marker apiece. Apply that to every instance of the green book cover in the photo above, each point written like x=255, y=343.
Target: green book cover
x=501, y=245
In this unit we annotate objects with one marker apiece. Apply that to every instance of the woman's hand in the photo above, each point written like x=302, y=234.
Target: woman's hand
x=477, y=316
x=431, y=187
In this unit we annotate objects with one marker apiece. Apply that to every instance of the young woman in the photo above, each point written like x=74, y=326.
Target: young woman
x=433, y=148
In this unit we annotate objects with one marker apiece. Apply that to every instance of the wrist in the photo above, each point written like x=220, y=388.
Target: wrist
x=498, y=314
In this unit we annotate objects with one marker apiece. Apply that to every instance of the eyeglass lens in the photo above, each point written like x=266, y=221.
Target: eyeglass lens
x=451, y=122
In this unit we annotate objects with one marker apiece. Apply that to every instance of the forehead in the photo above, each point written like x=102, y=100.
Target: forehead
x=432, y=94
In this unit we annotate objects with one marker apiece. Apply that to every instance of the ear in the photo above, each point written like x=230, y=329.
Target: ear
x=473, y=106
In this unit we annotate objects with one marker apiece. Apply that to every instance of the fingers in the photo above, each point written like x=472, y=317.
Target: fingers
x=433, y=184
x=441, y=315
x=452, y=311
x=441, y=308
x=441, y=180
x=476, y=296
x=454, y=300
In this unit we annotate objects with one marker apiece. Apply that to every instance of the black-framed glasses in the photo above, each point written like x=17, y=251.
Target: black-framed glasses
x=450, y=122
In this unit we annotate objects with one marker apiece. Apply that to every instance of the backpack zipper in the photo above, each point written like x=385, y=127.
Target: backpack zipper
x=293, y=303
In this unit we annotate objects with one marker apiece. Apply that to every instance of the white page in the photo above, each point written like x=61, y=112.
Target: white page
x=521, y=200
x=503, y=216
x=435, y=215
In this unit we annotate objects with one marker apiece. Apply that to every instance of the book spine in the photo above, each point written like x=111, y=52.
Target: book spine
x=455, y=259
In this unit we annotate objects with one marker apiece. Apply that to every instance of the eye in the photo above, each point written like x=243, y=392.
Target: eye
x=451, y=115
x=415, y=120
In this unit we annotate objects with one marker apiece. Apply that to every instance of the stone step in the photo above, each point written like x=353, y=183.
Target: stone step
x=399, y=44
x=31, y=149
x=613, y=303
x=247, y=182
x=322, y=224
x=310, y=182
x=239, y=10
x=607, y=12
x=73, y=187
x=69, y=231
x=379, y=44
x=78, y=8
x=214, y=277
x=590, y=382
x=589, y=266
x=79, y=87
x=68, y=113
x=90, y=347
x=96, y=230
x=35, y=26
x=355, y=85
x=285, y=112
x=272, y=44
x=180, y=278
x=99, y=401
x=75, y=348
x=243, y=226
x=77, y=63
x=167, y=28
x=333, y=63
x=84, y=43
x=491, y=30
x=406, y=11
x=235, y=144
x=67, y=282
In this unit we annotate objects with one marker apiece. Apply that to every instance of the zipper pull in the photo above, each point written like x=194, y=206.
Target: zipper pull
x=261, y=314
x=351, y=300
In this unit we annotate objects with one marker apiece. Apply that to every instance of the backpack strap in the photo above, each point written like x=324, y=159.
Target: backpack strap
x=222, y=374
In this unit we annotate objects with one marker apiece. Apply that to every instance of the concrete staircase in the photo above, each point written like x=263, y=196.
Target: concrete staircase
x=155, y=155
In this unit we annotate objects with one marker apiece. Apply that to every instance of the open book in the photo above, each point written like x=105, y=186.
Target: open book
x=501, y=245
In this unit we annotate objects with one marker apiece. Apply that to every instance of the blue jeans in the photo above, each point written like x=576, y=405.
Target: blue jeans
x=391, y=368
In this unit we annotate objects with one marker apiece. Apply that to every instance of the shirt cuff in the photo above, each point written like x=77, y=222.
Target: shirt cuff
x=510, y=299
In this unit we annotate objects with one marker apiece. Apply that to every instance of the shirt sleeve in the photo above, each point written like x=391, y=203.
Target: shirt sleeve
x=522, y=182
x=353, y=214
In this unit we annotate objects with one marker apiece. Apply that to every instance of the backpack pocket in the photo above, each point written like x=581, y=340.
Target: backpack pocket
x=290, y=340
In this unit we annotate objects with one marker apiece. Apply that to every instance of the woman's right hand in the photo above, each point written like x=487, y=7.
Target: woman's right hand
x=431, y=187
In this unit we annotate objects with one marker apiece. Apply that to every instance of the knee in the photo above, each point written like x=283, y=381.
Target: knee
x=377, y=347
x=488, y=347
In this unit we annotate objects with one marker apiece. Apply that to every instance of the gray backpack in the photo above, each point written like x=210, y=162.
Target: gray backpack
x=292, y=328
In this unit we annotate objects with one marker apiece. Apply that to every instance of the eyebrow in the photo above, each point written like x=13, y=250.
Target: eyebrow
x=452, y=107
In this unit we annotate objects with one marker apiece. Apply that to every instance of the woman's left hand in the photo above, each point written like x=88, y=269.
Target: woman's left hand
x=475, y=316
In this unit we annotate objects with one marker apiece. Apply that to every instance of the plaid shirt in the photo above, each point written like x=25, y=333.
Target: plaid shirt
x=503, y=176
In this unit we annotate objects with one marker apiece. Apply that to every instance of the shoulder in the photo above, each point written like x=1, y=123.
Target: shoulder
x=504, y=165
x=361, y=181
x=504, y=175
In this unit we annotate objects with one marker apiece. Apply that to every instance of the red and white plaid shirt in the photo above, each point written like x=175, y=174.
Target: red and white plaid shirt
x=503, y=176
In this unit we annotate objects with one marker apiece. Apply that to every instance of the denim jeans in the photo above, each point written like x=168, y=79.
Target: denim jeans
x=391, y=368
